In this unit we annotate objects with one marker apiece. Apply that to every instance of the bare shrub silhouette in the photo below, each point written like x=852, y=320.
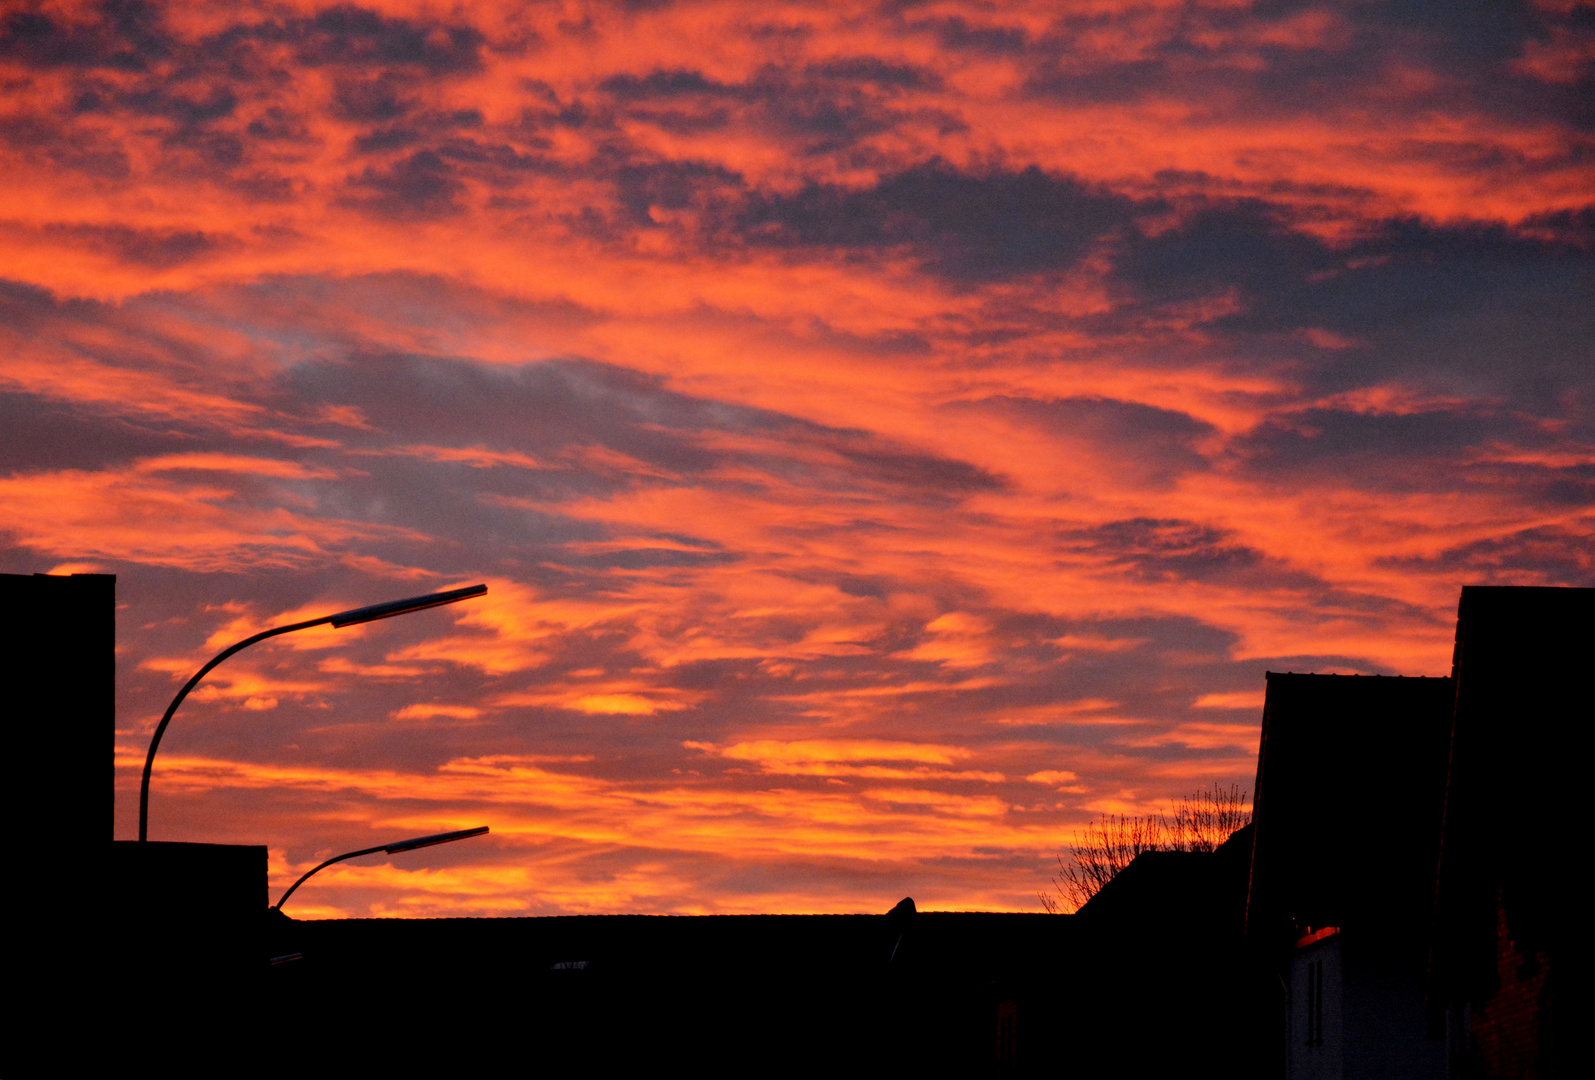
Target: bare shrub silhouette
x=1099, y=852
x=1200, y=821
x=1205, y=819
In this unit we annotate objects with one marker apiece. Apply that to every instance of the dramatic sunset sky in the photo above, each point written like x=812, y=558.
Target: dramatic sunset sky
x=891, y=434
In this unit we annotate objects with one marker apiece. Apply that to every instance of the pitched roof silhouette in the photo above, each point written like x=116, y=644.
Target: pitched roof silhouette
x=1347, y=808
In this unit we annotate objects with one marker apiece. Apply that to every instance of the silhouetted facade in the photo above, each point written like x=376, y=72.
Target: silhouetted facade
x=1508, y=893
x=170, y=935
x=1407, y=888
x=189, y=952
x=754, y=994
x=1347, y=810
x=60, y=692
x=1161, y=948
x=59, y=673
x=1412, y=885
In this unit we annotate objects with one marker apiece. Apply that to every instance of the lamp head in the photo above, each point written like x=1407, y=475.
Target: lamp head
x=373, y=612
x=437, y=838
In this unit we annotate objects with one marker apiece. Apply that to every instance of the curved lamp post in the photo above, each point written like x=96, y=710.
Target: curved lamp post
x=343, y=618
x=391, y=849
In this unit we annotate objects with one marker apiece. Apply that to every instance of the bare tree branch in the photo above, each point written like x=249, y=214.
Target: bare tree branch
x=1205, y=819
x=1201, y=821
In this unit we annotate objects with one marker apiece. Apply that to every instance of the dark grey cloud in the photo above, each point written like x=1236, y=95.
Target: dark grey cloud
x=389, y=138
x=122, y=35
x=919, y=476
x=1247, y=245
x=1465, y=32
x=1212, y=59
x=384, y=97
x=873, y=70
x=347, y=35
x=24, y=307
x=1575, y=228
x=441, y=129
x=1542, y=555
x=1164, y=549
x=545, y=108
x=673, y=185
x=424, y=464
x=1044, y=668
x=549, y=409
x=1191, y=656
x=40, y=435
x=829, y=122
x=537, y=409
x=277, y=124
x=131, y=35
x=1435, y=449
x=662, y=84
x=829, y=107
x=1347, y=441
x=422, y=184
x=157, y=249
x=650, y=558
x=179, y=104
x=64, y=148
x=1478, y=308
x=420, y=166
x=963, y=226
x=958, y=34
x=1474, y=43
x=495, y=163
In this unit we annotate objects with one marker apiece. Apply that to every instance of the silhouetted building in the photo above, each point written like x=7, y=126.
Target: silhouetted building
x=1506, y=933
x=1347, y=810
x=170, y=936
x=727, y=994
x=1160, y=946
x=1412, y=885
x=58, y=667
x=187, y=952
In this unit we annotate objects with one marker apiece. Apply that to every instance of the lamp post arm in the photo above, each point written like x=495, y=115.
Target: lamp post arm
x=395, y=848
x=339, y=619
x=155, y=741
x=323, y=866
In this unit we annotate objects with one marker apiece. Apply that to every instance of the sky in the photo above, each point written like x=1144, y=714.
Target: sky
x=892, y=435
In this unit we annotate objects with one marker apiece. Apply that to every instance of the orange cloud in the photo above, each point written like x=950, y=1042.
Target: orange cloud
x=889, y=438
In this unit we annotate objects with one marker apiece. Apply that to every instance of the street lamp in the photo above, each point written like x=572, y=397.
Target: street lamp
x=354, y=617
x=391, y=849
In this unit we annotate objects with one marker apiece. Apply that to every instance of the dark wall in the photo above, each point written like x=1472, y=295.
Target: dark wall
x=1509, y=931
x=60, y=696
x=184, y=965
x=58, y=689
x=1348, y=807
x=758, y=995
